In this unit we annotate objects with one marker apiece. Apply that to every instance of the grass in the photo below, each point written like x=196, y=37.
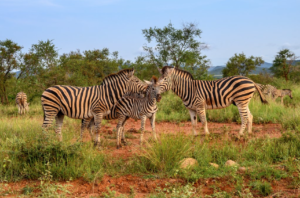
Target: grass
x=172, y=109
x=27, y=152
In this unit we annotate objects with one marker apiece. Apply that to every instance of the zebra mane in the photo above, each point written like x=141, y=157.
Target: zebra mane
x=178, y=70
x=155, y=79
x=112, y=76
x=286, y=90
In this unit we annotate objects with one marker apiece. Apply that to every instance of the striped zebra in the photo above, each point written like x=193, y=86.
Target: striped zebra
x=84, y=102
x=281, y=93
x=21, y=102
x=198, y=95
x=136, y=107
x=136, y=88
x=267, y=89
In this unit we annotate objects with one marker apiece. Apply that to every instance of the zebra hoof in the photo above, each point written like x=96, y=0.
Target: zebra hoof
x=119, y=146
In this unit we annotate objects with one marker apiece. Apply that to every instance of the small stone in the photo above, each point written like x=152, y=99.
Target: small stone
x=188, y=163
x=231, y=163
x=214, y=165
x=242, y=169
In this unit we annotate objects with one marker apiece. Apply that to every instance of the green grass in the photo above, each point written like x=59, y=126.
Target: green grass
x=28, y=152
x=172, y=109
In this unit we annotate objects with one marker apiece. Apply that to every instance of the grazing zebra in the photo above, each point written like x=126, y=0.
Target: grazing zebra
x=84, y=102
x=281, y=93
x=198, y=95
x=136, y=107
x=267, y=89
x=21, y=102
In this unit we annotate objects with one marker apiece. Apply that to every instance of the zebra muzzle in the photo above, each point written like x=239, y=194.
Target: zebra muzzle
x=158, y=97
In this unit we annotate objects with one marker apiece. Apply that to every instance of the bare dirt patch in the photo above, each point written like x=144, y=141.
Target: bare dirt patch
x=142, y=186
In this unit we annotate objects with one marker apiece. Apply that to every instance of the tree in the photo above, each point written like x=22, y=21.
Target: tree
x=9, y=55
x=178, y=47
x=284, y=64
x=239, y=64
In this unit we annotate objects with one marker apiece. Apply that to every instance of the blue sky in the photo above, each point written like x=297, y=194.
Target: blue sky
x=255, y=27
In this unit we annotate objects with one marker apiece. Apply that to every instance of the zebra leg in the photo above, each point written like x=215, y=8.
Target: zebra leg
x=84, y=124
x=281, y=100
x=250, y=119
x=19, y=109
x=152, y=122
x=243, y=110
x=143, y=121
x=59, y=118
x=97, y=119
x=202, y=115
x=193, y=115
x=123, y=140
x=121, y=120
x=91, y=125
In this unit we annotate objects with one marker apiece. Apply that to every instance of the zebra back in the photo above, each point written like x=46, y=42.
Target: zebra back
x=81, y=102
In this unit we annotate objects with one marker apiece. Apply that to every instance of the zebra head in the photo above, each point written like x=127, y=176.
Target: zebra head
x=288, y=92
x=165, y=80
x=153, y=89
x=135, y=85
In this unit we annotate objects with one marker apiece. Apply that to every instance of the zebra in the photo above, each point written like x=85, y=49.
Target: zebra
x=198, y=95
x=281, y=93
x=21, y=102
x=267, y=89
x=136, y=88
x=84, y=102
x=137, y=107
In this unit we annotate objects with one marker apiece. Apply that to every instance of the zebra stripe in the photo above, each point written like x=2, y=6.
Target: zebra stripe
x=136, y=107
x=84, y=102
x=135, y=87
x=281, y=93
x=21, y=102
x=268, y=90
x=198, y=95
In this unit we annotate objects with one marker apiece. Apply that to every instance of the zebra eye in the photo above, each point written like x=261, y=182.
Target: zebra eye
x=165, y=78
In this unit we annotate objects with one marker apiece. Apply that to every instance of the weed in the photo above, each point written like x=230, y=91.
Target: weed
x=263, y=188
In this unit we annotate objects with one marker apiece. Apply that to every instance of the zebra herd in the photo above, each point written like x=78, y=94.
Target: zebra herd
x=122, y=96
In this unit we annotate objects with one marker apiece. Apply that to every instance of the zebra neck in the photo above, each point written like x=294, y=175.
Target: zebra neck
x=183, y=88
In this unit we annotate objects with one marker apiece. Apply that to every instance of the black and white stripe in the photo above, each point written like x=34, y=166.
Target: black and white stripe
x=21, y=102
x=84, y=102
x=198, y=95
x=136, y=107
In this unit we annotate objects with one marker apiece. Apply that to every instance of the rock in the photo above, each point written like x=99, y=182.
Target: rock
x=242, y=169
x=214, y=165
x=188, y=163
x=231, y=163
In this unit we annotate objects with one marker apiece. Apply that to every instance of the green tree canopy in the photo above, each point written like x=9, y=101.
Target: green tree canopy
x=178, y=47
x=10, y=52
x=239, y=64
x=284, y=64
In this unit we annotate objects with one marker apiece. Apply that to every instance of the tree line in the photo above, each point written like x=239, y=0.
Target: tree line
x=41, y=66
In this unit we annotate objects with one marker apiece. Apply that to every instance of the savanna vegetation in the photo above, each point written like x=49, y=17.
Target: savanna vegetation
x=29, y=153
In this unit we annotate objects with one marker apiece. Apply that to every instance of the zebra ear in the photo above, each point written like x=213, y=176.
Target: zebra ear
x=147, y=82
x=160, y=70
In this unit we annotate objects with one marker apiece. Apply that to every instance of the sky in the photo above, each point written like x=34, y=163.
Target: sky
x=253, y=27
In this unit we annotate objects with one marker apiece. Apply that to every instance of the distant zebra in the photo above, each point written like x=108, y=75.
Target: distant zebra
x=267, y=89
x=84, y=102
x=198, y=95
x=21, y=102
x=281, y=93
x=136, y=107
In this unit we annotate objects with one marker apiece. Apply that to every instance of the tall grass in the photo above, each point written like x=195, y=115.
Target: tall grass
x=171, y=108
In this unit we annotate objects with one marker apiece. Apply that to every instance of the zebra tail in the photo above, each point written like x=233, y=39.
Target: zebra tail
x=262, y=96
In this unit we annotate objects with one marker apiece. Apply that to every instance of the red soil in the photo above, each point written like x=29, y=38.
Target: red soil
x=143, y=186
